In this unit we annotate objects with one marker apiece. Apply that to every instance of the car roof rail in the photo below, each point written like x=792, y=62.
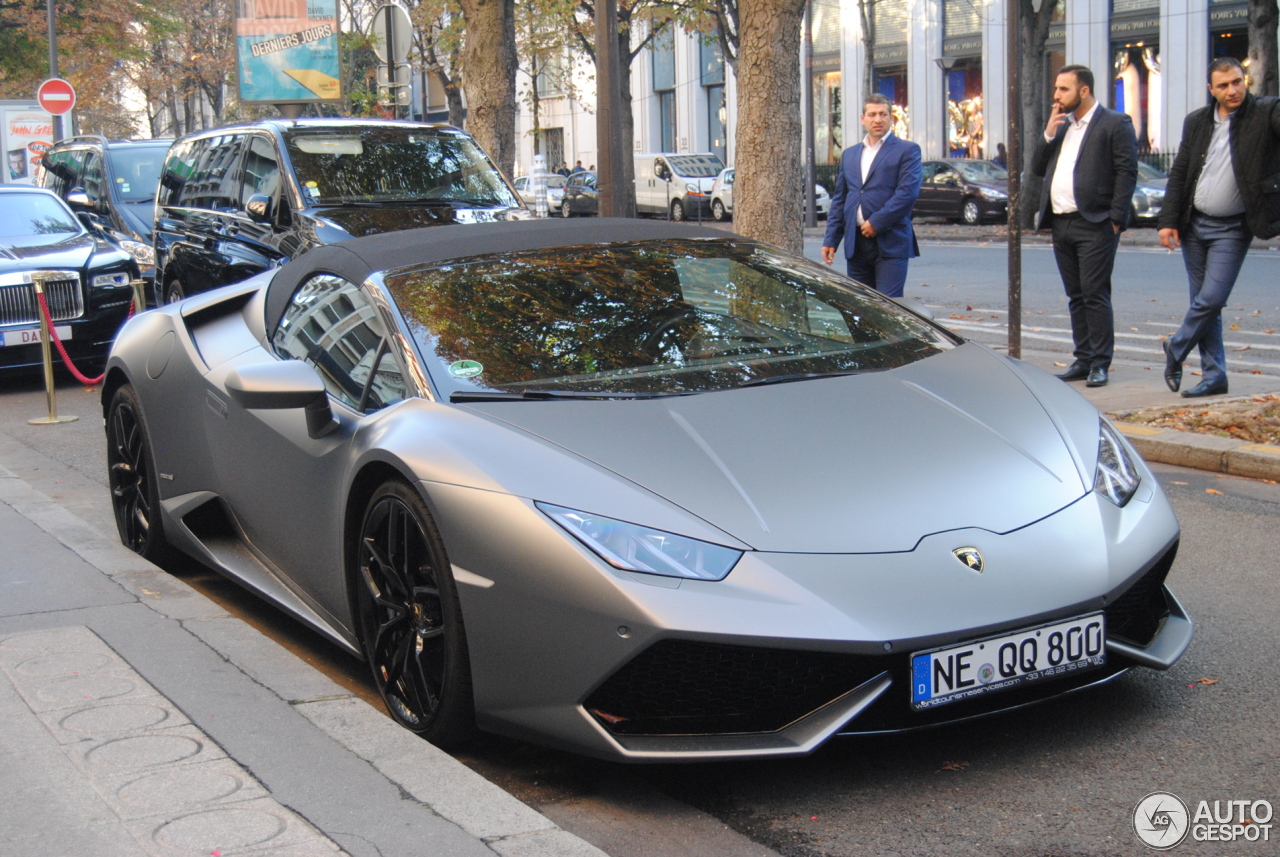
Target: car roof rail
x=83, y=138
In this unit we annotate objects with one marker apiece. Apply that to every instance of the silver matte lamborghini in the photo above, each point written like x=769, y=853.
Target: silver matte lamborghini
x=639, y=490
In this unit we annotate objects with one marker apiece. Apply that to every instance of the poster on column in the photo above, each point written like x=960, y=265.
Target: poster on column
x=288, y=50
x=26, y=133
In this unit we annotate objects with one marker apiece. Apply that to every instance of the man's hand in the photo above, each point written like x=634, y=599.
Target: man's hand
x=1169, y=238
x=867, y=230
x=828, y=254
x=1056, y=118
x=1115, y=228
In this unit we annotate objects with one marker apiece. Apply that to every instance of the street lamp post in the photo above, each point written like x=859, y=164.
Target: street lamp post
x=53, y=62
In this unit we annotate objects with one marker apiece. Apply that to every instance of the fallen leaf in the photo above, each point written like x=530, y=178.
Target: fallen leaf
x=1134, y=329
x=1035, y=330
x=1056, y=363
x=969, y=308
x=1268, y=331
x=1212, y=491
x=1179, y=483
x=1197, y=374
x=1257, y=312
x=1164, y=336
x=953, y=766
x=953, y=315
x=1235, y=327
x=1255, y=371
x=1207, y=681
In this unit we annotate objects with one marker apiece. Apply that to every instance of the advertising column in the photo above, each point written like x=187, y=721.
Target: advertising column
x=25, y=135
x=288, y=51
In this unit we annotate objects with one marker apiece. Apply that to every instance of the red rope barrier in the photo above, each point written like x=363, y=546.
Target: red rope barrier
x=62, y=349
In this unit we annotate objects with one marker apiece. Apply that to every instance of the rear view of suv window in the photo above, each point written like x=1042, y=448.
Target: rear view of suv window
x=393, y=164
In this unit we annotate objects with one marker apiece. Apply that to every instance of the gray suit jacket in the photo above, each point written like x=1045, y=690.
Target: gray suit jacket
x=1106, y=170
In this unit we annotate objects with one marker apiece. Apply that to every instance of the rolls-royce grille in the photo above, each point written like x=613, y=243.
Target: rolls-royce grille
x=681, y=687
x=18, y=303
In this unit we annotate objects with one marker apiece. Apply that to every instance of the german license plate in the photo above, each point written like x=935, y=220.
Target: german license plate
x=31, y=336
x=1001, y=663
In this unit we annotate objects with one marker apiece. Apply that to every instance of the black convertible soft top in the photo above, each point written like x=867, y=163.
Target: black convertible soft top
x=356, y=259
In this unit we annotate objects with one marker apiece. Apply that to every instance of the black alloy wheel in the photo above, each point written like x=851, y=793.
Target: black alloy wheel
x=717, y=210
x=971, y=212
x=677, y=210
x=174, y=292
x=410, y=619
x=135, y=495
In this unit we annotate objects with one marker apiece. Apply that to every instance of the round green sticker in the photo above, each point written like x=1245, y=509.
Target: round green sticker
x=465, y=369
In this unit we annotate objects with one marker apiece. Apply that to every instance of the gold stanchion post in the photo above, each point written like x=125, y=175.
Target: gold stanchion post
x=46, y=350
x=139, y=295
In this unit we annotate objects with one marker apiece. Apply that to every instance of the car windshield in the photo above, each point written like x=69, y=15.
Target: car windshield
x=136, y=171
x=35, y=214
x=696, y=166
x=982, y=171
x=1147, y=171
x=394, y=164
x=663, y=317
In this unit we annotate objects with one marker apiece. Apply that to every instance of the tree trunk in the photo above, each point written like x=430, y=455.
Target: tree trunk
x=627, y=118
x=768, y=187
x=1263, y=77
x=1036, y=98
x=489, y=58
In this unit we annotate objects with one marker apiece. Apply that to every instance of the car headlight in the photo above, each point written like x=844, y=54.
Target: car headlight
x=144, y=254
x=110, y=281
x=991, y=193
x=1116, y=477
x=632, y=547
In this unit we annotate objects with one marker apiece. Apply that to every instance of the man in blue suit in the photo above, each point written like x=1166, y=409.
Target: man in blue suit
x=876, y=188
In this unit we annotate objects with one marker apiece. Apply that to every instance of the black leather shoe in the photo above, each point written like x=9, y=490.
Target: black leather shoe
x=1206, y=388
x=1097, y=378
x=1172, y=369
x=1075, y=372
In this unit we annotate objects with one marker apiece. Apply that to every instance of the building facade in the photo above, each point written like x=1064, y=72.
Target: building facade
x=943, y=64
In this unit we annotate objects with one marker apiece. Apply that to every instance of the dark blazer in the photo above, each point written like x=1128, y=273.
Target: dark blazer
x=1106, y=170
x=1255, y=160
x=893, y=183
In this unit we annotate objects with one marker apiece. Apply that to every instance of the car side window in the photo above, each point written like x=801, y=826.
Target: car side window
x=261, y=170
x=94, y=180
x=331, y=325
x=214, y=179
x=62, y=170
x=929, y=172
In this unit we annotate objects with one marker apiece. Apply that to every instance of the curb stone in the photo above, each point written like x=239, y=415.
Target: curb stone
x=1204, y=451
x=501, y=822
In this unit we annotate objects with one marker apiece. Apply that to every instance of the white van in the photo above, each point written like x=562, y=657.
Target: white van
x=674, y=185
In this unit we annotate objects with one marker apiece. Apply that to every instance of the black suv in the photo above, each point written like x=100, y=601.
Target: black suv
x=112, y=184
x=236, y=201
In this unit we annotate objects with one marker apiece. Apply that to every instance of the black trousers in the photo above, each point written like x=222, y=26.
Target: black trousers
x=1086, y=254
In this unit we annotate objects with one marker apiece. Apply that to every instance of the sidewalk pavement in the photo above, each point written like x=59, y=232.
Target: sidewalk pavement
x=138, y=718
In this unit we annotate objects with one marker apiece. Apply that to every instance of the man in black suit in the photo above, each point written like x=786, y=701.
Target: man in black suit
x=1089, y=159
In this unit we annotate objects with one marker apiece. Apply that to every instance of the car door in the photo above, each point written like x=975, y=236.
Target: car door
x=284, y=487
x=927, y=204
x=203, y=215
x=258, y=240
x=949, y=188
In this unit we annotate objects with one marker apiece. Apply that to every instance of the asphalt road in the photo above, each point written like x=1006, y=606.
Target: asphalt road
x=1059, y=779
x=966, y=286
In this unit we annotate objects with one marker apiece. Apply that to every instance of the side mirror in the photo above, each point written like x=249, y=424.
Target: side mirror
x=259, y=208
x=78, y=200
x=661, y=170
x=916, y=307
x=282, y=386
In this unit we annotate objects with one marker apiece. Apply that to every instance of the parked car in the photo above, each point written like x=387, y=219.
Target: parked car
x=1148, y=194
x=555, y=191
x=675, y=186
x=722, y=197
x=86, y=280
x=969, y=191
x=238, y=200
x=558, y=480
x=113, y=184
x=581, y=196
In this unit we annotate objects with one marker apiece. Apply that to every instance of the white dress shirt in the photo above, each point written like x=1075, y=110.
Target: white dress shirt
x=869, y=152
x=1062, y=192
x=1217, y=193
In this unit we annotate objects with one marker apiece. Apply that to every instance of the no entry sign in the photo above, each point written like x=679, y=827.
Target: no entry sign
x=56, y=96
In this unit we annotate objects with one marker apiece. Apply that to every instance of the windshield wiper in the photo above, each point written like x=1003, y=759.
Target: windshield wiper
x=543, y=395
x=801, y=376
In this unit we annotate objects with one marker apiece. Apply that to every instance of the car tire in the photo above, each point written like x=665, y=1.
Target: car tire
x=409, y=617
x=565, y=210
x=174, y=292
x=971, y=212
x=717, y=211
x=131, y=475
x=677, y=210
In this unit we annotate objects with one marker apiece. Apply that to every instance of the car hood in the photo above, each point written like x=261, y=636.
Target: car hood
x=859, y=464
x=360, y=221
x=140, y=217
x=23, y=252
x=1152, y=184
x=992, y=184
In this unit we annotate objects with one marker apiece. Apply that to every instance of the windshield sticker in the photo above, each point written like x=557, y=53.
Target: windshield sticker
x=465, y=369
